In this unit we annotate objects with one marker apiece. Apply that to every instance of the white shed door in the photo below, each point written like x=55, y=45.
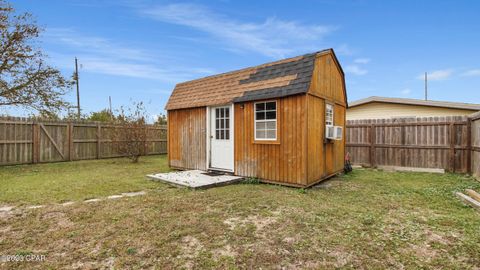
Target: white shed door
x=221, y=138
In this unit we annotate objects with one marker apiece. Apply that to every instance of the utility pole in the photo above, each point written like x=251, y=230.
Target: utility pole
x=110, y=103
x=78, y=88
x=426, y=87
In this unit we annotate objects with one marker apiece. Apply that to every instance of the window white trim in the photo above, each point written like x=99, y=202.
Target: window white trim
x=331, y=121
x=265, y=120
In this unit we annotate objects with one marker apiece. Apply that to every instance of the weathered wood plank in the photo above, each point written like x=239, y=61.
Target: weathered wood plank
x=434, y=142
x=468, y=200
x=25, y=140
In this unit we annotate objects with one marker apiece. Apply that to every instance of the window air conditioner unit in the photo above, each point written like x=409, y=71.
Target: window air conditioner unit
x=338, y=133
x=330, y=132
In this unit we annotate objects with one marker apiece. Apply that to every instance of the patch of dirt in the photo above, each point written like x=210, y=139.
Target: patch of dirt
x=341, y=256
x=260, y=222
x=60, y=219
x=225, y=251
x=108, y=263
x=5, y=215
x=433, y=237
x=191, y=244
x=329, y=184
x=301, y=265
x=190, y=248
x=96, y=249
x=423, y=252
x=289, y=240
x=5, y=229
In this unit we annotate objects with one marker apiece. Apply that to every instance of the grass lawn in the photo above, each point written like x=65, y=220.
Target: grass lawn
x=368, y=219
x=79, y=180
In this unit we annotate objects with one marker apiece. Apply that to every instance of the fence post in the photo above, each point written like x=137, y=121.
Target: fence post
x=99, y=138
x=70, y=141
x=145, y=141
x=35, y=142
x=372, y=145
x=469, y=145
x=452, y=147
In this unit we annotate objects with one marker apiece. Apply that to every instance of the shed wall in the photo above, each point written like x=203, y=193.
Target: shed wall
x=187, y=138
x=283, y=162
x=327, y=80
x=324, y=158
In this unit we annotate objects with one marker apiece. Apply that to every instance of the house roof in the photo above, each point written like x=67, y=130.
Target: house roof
x=271, y=80
x=417, y=102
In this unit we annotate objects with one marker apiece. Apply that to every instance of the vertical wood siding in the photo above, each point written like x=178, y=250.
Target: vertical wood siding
x=325, y=158
x=284, y=162
x=339, y=146
x=187, y=130
x=327, y=80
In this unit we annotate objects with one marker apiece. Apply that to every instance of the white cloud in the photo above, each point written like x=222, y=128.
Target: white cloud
x=273, y=37
x=472, y=73
x=362, y=61
x=406, y=91
x=344, y=49
x=120, y=68
x=93, y=44
x=100, y=55
x=437, y=75
x=355, y=70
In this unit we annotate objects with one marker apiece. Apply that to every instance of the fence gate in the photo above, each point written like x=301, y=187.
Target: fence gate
x=24, y=140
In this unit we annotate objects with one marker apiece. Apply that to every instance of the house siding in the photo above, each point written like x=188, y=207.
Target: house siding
x=378, y=110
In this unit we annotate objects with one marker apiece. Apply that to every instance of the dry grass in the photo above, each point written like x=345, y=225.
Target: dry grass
x=369, y=219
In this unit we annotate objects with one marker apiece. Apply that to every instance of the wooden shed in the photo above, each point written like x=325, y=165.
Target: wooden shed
x=281, y=122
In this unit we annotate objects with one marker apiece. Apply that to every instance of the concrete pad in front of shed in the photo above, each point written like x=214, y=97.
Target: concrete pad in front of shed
x=195, y=179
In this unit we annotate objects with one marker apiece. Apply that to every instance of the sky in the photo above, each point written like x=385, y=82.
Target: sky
x=138, y=50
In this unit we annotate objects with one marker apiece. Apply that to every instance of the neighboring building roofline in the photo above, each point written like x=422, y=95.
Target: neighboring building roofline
x=475, y=116
x=416, y=102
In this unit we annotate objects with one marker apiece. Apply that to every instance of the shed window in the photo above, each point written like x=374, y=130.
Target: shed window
x=329, y=115
x=266, y=120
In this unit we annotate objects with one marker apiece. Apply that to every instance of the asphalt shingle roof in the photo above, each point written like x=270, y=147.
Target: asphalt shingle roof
x=282, y=78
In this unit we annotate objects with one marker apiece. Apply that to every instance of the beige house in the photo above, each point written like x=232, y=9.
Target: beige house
x=383, y=107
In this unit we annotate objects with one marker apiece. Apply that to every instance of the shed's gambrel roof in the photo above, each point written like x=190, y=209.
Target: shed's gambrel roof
x=282, y=78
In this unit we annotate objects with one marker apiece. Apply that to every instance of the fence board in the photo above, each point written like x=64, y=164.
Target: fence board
x=429, y=142
x=475, y=144
x=24, y=140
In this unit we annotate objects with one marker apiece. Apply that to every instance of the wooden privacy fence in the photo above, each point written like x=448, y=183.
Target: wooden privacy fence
x=25, y=140
x=432, y=142
x=476, y=144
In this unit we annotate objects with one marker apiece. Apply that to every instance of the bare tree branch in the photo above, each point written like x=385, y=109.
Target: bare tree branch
x=25, y=79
